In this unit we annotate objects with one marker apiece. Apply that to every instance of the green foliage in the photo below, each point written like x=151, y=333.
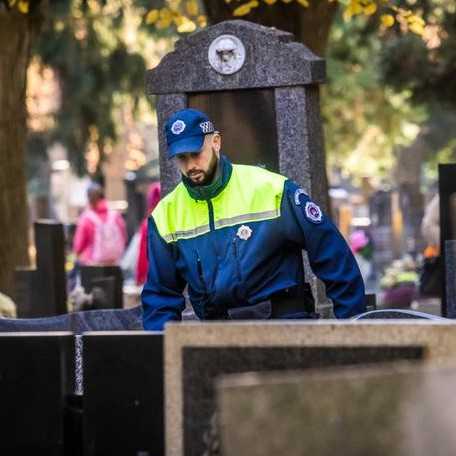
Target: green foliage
x=84, y=41
x=185, y=15
x=427, y=67
x=365, y=121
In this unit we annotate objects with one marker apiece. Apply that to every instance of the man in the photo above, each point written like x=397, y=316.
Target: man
x=234, y=234
x=100, y=235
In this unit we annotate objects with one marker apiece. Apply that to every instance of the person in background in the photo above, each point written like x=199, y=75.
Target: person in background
x=431, y=273
x=101, y=234
x=362, y=250
x=430, y=227
x=153, y=197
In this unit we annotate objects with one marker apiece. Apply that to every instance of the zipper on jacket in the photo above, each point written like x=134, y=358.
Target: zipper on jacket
x=199, y=268
x=236, y=260
x=211, y=215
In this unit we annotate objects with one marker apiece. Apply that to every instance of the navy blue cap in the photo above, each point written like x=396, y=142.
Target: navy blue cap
x=185, y=131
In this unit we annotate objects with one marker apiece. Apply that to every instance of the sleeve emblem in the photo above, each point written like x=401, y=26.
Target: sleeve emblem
x=313, y=212
x=297, y=194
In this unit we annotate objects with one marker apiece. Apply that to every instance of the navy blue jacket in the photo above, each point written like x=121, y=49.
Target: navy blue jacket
x=241, y=261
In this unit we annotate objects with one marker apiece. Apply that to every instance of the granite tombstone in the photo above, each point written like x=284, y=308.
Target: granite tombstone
x=123, y=393
x=395, y=410
x=447, y=193
x=196, y=353
x=41, y=292
x=36, y=375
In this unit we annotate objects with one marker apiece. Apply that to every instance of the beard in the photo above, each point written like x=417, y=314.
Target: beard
x=201, y=177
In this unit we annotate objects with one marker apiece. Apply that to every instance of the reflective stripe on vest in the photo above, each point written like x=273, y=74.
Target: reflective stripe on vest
x=252, y=194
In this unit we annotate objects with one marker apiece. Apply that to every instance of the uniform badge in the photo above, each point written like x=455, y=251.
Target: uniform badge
x=313, y=212
x=244, y=232
x=207, y=127
x=297, y=194
x=178, y=127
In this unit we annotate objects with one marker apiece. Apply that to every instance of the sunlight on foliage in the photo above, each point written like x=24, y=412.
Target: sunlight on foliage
x=22, y=6
x=186, y=17
x=365, y=121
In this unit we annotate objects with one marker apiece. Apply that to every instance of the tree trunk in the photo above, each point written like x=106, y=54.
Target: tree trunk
x=15, y=41
x=434, y=135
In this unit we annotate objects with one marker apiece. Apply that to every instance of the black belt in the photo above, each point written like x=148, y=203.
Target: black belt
x=287, y=303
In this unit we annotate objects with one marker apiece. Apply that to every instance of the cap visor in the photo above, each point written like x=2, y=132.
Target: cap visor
x=186, y=145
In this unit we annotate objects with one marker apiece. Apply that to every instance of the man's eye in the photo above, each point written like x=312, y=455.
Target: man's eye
x=194, y=154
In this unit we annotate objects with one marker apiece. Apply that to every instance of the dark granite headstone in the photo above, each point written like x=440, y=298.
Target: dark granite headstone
x=450, y=278
x=78, y=322
x=50, y=265
x=109, y=279
x=24, y=281
x=447, y=194
x=42, y=292
x=123, y=394
x=276, y=89
x=248, y=121
x=380, y=212
x=36, y=375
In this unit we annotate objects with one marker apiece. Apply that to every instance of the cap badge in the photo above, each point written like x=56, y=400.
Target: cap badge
x=178, y=127
x=313, y=212
x=244, y=232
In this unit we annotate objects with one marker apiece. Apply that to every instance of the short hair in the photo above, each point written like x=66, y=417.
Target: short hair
x=95, y=190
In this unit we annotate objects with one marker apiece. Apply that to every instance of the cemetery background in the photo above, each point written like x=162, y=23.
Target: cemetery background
x=375, y=150
x=90, y=67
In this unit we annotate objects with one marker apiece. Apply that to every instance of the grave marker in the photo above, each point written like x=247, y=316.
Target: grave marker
x=196, y=353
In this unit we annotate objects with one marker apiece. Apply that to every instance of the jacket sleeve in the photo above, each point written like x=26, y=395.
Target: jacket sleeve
x=162, y=297
x=330, y=257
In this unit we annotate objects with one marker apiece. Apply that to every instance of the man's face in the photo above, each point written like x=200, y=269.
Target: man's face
x=200, y=167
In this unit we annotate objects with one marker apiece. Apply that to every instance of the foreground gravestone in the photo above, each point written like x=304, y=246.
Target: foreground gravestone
x=36, y=375
x=123, y=394
x=387, y=410
x=197, y=353
x=78, y=322
x=261, y=89
x=41, y=292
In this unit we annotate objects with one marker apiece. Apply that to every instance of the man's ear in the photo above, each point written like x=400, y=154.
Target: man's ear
x=217, y=142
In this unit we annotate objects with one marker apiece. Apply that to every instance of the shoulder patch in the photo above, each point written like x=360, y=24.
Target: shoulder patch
x=313, y=212
x=297, y=194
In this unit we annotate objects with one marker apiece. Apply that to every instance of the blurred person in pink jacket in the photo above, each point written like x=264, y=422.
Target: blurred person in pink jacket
x=153, y=197
x=101, y=234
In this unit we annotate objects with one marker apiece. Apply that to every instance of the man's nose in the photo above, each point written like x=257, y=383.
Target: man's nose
x=191, y=162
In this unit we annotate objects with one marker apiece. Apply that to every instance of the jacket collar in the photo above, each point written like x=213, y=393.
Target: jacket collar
x=220, y=181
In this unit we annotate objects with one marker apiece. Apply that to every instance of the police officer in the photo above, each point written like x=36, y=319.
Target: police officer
x=234, y=234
